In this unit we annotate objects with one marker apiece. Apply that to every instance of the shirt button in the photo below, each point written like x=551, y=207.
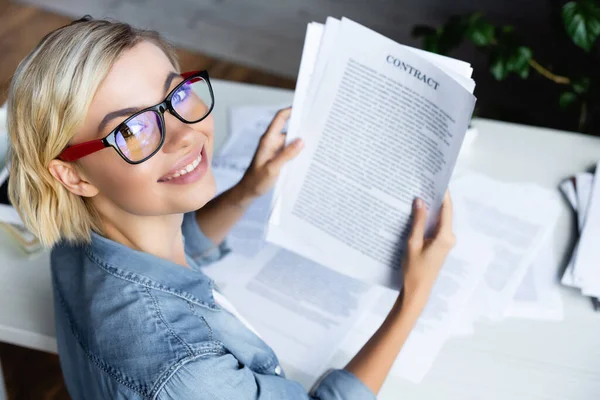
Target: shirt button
x=278, y=370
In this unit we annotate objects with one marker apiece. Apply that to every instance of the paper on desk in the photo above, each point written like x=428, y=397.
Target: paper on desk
x=583, y=187
x=458, y=279
x=303, y=310
x=247, y=125
x=567, y=188
x=516, y=220
x=247, y=236
x=538, y=297
x=578, y=191
x=10, y=215
x=464, y=325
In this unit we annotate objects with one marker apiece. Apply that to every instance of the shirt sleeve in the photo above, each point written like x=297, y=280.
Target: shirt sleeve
x=197, y=245
x=222, y=378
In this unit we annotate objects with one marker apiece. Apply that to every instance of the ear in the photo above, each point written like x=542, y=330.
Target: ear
x=69, y=176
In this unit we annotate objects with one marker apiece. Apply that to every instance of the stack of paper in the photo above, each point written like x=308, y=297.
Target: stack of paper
x=382, y=123
x=583, y=193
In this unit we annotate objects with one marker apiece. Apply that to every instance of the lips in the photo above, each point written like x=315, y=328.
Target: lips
x=187, y=165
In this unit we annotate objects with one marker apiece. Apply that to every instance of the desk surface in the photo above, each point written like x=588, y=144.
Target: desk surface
x=515, y=359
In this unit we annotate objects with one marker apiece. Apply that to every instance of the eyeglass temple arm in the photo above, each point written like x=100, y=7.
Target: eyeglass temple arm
x=186, y=75
x=77, y=151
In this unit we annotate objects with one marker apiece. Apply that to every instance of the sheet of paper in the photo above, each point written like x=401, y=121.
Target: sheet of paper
x=356, y=160
x=464, y=325
x=538, y=296
x=516, y=226
x=458, y=279
x=567, y=188
x=247, y=237
x=303, y=310
x=315, y=35
x=581, y=188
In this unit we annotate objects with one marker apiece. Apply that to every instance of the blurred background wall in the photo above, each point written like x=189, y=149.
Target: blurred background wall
x=268, y=34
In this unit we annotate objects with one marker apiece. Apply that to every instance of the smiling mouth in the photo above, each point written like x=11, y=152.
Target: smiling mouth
x=186, y=169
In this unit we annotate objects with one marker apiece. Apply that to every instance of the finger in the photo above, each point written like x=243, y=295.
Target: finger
x=288, y=153
x=272, y=140
x=415, y=241
x=278, y=123
x=445, y=221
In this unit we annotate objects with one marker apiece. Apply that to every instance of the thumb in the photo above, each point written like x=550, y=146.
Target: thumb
x=287, y=154
x=418, y=229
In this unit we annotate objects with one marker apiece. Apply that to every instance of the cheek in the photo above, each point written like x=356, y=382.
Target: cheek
x=123, y=184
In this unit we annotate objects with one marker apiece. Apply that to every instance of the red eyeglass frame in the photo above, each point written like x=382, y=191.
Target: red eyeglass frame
x=77, y=151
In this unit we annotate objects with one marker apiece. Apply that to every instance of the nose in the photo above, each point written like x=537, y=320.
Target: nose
x=178, y=135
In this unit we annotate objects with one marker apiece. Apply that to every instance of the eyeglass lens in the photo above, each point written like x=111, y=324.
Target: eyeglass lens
x=139, y=137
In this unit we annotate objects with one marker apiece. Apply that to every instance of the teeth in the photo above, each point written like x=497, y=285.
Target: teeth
x=187, y=169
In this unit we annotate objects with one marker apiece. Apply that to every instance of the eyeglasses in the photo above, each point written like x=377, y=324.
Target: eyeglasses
x=141, y=135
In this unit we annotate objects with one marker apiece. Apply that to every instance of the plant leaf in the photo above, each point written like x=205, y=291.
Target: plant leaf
x=566, y=99
x=480, y=32
x=518, y=62
x=498, y=66
x=582, y=22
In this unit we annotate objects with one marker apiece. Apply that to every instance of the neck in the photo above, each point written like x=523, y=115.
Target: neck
x=157, y=235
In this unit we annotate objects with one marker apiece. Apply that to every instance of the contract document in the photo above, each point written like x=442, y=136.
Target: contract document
x=382, y=124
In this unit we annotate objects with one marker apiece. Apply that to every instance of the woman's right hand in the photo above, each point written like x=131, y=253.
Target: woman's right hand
x=423, y=260
x=424, y=257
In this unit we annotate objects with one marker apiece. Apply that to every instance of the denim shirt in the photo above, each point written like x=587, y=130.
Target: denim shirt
x=131, y=325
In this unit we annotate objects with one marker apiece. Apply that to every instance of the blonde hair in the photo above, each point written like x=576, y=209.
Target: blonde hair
x=49, y=96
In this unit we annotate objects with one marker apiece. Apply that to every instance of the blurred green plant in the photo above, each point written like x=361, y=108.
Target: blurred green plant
x=508, y=55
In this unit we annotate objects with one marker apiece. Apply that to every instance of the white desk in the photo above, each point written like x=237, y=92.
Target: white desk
x=515, y=359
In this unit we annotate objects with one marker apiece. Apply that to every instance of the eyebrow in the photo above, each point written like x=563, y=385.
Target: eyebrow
x=132, y=110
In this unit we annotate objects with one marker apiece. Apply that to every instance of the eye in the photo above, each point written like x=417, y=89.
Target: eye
x=181, y=94
x=136, y=127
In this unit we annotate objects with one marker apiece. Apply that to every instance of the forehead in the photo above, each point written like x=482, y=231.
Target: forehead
x=136, y=78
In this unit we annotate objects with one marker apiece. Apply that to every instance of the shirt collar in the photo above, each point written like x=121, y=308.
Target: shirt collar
x=152, y=271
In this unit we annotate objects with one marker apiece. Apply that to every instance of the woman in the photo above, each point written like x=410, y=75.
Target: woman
x=111, y=166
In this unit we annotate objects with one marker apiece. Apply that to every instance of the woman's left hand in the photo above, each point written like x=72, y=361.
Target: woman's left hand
x=269, y=158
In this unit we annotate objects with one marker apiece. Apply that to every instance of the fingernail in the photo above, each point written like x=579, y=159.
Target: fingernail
x=299, y=143
x=418, y=203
